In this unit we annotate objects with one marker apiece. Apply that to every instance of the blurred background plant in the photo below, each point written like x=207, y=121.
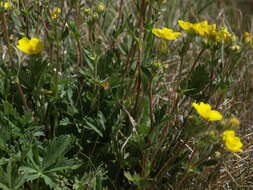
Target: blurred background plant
x=106, y=104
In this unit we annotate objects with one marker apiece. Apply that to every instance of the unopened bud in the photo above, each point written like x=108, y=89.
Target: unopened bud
x=87, y=10
x=100, y=7
x=217, y=154
x=235, y=47
x=163, y=47
x=234, y=121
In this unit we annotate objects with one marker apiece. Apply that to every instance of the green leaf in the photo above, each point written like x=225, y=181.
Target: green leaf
x=37, y=69
x=198, y=81
x=96, y=124
x=56, y=150
x=10, y=177
x=47, y=163
x=147, y=78
x=65, y=33
x=144, y=125
x=207, y=163
x=94, y=128
x=50, y=180
x=128, y=175
x=5, y=133
x=137, y=179
x=9, y=109
x=63, y=165
x=194, y=126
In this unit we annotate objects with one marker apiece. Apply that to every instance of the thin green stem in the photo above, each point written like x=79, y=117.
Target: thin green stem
x=20, y=90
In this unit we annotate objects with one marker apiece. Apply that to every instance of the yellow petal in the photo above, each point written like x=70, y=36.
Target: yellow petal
x=157, y=32
x=203, y=23
x=203, y=29
x=6, y=5
x=204, y=110
x=36, y=44
x=185, y=25
x=227, y=134
x=232, y=142
x=30, y=47
x=215, y=116
x=166, y=33
x=23, y=41
x=24, y=46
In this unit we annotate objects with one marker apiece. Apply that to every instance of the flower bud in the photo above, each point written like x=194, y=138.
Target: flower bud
x=163, y=47
x=217, y=154
x=87, y=10
x=157, y=63
x=235, y=47
x=100, y=7
x=247, y=38
x=234, y=121
x=162, y=1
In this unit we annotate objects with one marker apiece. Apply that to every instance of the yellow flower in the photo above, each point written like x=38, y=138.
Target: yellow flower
x=165, y=33
x=204, y=29
x=157, y=63
x=55, y=13
x=6, y=5
x=234, y=121
x=30, y=47
x=232, y=142
x=87, y=10
x=201, y=28
x=205, y=111
x=100, y=7
x=185, y=25
x=222, y=34
x=247, y=37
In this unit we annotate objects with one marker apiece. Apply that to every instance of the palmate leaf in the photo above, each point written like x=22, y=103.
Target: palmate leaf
x=34, y=159
x=56, y=150
x=48, y=163
x=32, y=174
x=63, y=165
x=50, y=179
x=10, y=177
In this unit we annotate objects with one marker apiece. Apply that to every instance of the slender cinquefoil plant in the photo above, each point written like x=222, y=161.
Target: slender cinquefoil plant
x=99, y=95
